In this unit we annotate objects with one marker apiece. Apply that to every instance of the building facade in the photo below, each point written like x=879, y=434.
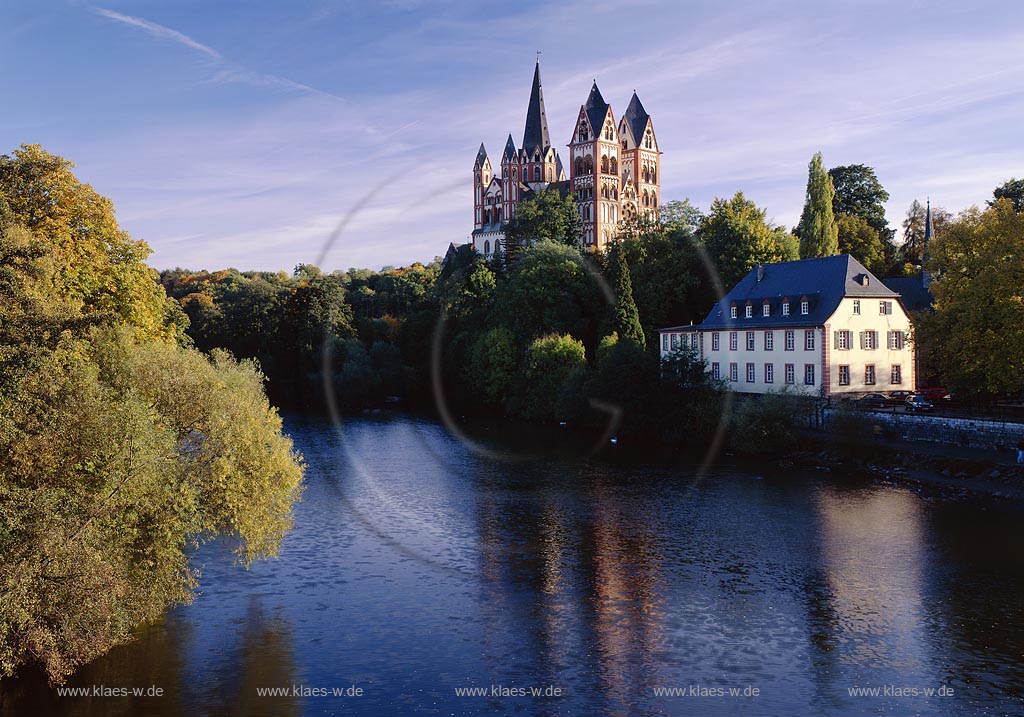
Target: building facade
x=614, y=170
x=817, y=326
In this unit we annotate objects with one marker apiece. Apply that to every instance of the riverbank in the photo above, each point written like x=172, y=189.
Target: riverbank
x=948, y=468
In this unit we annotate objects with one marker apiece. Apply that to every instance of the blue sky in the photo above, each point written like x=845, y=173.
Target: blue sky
x=242, y=133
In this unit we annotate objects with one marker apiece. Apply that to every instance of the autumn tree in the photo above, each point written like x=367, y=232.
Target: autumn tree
x=914, y=226
x=817, y=227
x=861, y=241
x=976, y=333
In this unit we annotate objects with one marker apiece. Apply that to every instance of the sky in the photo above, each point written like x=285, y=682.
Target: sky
x=262, y=135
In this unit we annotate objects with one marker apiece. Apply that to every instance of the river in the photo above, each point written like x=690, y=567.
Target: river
x=418, y=568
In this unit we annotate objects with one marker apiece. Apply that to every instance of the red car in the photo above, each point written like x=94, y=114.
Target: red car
x=933, y=394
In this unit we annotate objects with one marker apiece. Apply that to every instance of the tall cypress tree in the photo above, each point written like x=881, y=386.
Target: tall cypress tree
x=819, y=235
x=625, y=318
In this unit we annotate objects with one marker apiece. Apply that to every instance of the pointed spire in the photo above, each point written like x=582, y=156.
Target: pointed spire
x=927, y=224
x=535, y=136
x=510, y=150
x=596, y=108
x=636, y=117
x=481, y=156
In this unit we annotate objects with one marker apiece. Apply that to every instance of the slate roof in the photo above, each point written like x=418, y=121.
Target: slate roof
x=510, y=150
x=596, y=109
x=535, y=136
x=636, y=118
x=481, y=155
x=823, y=282
x=912, y=291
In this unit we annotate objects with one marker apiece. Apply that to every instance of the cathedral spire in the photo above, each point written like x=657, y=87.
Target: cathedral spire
x=535, y=137
x=596, y=108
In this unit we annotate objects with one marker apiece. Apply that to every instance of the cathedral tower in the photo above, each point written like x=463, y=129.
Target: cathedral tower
x=641, y=163
x=595, y=179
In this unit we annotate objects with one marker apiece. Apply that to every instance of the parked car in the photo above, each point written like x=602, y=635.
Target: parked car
x=917, y=403
x=933, y=394
x=898, y=398
x=872, y=400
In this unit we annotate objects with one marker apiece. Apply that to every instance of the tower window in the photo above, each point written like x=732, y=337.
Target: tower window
x=614, y=165
x=536, y=174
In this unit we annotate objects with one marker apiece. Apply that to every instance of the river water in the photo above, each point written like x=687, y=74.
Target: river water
x=418, y=568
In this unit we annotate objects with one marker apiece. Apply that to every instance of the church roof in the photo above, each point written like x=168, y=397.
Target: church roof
x=510, y=150
x=481, y=155
x=912, y=291
x=824, y=282
x=636, y=118
x=535, y=136
x=596, y=109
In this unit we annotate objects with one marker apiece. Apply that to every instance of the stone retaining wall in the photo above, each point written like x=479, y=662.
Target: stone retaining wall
x=965, y=432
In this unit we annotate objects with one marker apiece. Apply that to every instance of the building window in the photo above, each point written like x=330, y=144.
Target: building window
x=769, y=373
x=809, y=340
x=714, y=341
x=844, y=339
x=733, y=338
x=716, y=371
x=732, y=312
x=896, y=340
x=844, y=375
x=750, y=341
x=664, y=342
x=766, y=310
x=751, y=377
x=896, y=375
x=675, y=341
x=734, y=372
x=869, y=340
x=749, y=311
x=808, y=374
x=487, y=247
x=785, y=308
x=769, y=340
x=869, y=375
x=790, y=341
x=790, y=374
x=856, y=306
x=884, y=308
x=805, y=307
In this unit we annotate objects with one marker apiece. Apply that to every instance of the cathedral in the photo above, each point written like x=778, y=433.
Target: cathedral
x=614, y=171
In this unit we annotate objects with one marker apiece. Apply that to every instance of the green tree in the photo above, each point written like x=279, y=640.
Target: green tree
x=861, y=241
x=546, y=215
x=858, y=193
x=975, y=337
x=624, y=319
x=912, y=248
x=494, y=365
x=1013, y=190
x=681, y=216
x=817, y=228
x=737, y=237
x=553, y=363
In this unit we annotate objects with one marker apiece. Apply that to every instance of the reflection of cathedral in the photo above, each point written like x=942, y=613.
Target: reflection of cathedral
x=614, y=170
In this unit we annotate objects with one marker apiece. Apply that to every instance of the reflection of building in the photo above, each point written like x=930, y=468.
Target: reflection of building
x=614, y=170
x=823, y=326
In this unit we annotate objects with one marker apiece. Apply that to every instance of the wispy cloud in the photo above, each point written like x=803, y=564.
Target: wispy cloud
x=161, y=32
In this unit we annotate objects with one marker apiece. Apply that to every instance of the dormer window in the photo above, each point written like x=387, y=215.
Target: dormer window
x=805, y=307
x=749, y=311
x=732, y=312
x=785, y=308
x=766, y=310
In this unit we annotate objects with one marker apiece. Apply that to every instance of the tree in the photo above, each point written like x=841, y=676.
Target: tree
x=681, y=216
x=858, y=193
x=494, y=364
x=976, y=333
x=98, y=266
x=861, y=241
x=624, y=320
x=912, y=249
x=817, y=228
x=546, y=215
x=552, y=363
x=737, y=238
x=1012, y=190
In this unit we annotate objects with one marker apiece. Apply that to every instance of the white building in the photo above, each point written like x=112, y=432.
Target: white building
x=818, y=326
